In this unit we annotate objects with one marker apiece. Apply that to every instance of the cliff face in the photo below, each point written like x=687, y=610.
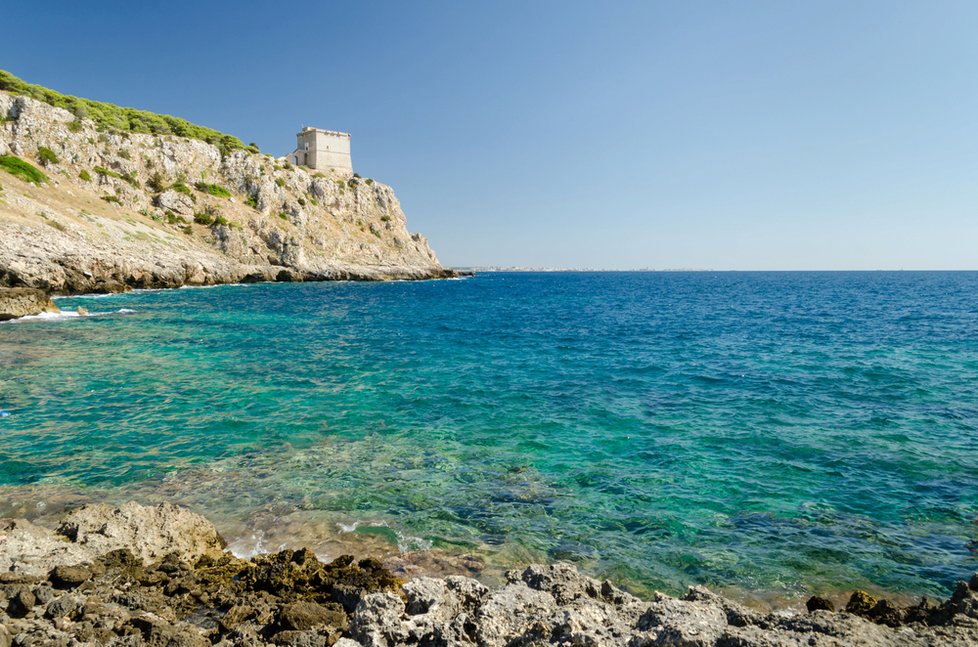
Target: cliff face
x=125, y=210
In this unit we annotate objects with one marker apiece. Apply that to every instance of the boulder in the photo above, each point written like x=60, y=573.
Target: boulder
x=178, y=203
x=151, y=533
x=22, y=302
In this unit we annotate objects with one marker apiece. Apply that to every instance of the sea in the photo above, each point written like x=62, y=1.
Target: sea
x=764, y=432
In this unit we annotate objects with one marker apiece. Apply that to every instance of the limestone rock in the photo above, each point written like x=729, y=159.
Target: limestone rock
x=139, y=575
x=178, y=203
x=22, y=302
x=151, y=533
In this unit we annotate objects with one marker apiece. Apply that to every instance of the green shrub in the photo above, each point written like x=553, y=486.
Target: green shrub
x=252, y=201
x=109, y=117
x=131, y=178
x=369, y=181
x=156, y=182
x=180, y=187
x=314, y=202
x=283, y=215
x=353, y=183
x=85, y=176
x=302, y=202
x=171, y=218
x=75, y=126
x=279, y=181
x=213, y=189
x=125, y=155
x=203, y=218
x=220, y=220
x=385, y=218
x=320, y=174
x=114, y=199
x=24, y=170
x=46, y=156
x=187, y=229
x=106, y=172
x=287, y=165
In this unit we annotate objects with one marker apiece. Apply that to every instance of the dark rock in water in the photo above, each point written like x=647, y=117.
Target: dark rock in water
x=68, y=577
x=22, y=302
x=816, y=603
x=860, y=603
x=885, y=613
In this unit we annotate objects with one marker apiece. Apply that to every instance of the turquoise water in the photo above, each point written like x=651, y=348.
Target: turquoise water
x=785, y=432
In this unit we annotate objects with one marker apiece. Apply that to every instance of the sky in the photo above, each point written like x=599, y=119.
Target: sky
x=618, y=135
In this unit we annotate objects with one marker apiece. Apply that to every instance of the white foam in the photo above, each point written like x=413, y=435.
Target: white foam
x=207, y=287
x=67, y=314
x=405, y=543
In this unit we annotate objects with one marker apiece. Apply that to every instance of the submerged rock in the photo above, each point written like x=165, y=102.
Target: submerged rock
x=23, y=302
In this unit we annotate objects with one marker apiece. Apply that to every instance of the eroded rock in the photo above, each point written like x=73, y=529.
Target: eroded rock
x=24, y=302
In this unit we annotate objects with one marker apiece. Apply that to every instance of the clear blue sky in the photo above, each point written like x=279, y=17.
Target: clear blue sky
x=726, y=135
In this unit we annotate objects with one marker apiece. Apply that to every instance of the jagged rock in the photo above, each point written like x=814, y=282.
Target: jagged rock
x=860, y=603
x=179, y=203
x=150, y=533
x=166, y=582
x=22, y=302
x=20, y=602
x=303, y=615
x=680, y=622
x=68, y=577
x=816, y=603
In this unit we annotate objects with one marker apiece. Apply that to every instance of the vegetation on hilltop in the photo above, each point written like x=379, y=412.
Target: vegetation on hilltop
x=112, y=117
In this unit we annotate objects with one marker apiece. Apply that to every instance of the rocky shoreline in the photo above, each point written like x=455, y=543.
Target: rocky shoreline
x=160, y=575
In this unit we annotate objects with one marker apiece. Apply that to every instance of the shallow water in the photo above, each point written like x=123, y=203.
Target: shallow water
x=779, y=432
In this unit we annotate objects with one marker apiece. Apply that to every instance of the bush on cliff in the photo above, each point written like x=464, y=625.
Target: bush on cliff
x=113, y=117
x=215, y=190
x=24, y=170
x=156, y=182
x=46, y=156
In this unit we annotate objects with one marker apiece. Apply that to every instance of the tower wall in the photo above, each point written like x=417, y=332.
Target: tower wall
x=327, y=149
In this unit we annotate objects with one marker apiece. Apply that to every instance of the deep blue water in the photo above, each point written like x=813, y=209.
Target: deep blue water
x=777, y=431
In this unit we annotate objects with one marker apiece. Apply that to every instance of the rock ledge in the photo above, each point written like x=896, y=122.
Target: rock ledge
x=138, y=575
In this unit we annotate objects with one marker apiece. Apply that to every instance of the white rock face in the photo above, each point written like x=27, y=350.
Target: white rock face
x=111, y=216
x=149, y=532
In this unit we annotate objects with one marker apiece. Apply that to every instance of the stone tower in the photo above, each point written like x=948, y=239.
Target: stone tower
x=322, y=150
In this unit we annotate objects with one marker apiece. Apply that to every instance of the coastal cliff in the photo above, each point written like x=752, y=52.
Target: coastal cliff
x=138, y=575
x=86, y=208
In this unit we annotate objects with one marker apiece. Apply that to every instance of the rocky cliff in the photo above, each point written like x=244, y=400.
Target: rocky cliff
x=112, y=210
x=156, y=576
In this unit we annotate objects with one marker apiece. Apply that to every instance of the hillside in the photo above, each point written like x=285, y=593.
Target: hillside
x=85, y=206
